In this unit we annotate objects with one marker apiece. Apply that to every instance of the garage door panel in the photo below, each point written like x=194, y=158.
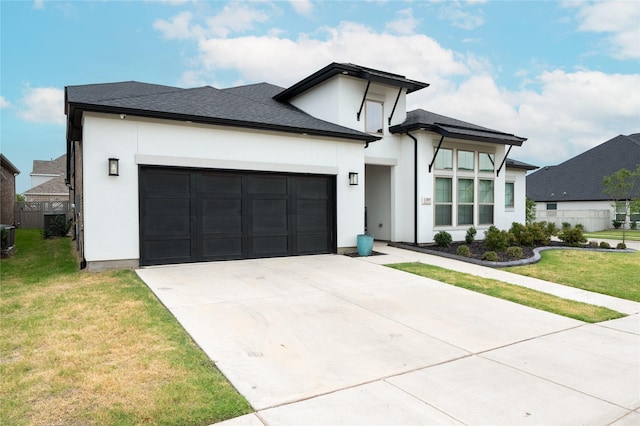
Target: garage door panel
x=191, y=215
x=268, y=216
x=216, y=183
x=222, y=248
x=221, y=216
x=159, y=252
x=312, y=244
x=270, y=246
x=267, y=184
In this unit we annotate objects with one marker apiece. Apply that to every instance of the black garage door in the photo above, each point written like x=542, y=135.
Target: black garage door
x=193, y=215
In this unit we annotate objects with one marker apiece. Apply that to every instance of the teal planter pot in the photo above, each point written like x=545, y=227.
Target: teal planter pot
x=365, y=244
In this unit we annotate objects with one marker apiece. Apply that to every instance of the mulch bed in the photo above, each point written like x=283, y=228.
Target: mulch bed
x=477, y=250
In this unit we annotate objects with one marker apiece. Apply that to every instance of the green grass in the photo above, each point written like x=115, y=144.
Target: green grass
x=614, y=274
x=522, y=295
x=97, y=348
x=615, y=234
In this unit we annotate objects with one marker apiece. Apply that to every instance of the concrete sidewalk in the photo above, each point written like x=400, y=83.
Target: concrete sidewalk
x=396, y=255
x=325, y=340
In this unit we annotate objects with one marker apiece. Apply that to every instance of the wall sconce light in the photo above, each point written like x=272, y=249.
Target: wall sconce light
x=353, y=178
x=114, y=168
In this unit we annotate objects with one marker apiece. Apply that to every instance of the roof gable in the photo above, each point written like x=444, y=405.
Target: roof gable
x=352, y=70
x=50, y=167
x=581, y=177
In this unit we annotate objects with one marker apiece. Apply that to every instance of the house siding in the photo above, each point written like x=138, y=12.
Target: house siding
x=7, y=196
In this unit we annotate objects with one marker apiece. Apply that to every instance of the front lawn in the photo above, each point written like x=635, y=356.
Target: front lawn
x=522, y=295
x=97, y=348
x=614, y=234
x=615, y=274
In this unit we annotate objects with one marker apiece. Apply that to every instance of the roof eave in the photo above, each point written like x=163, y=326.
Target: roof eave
x=402, y=128
x=77, y=109
x=334, y=69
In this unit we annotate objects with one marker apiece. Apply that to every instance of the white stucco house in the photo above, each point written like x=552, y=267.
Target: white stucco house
x=162, y=174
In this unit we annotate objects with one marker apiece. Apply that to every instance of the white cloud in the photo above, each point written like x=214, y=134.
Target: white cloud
x=4, y=103
x=38, y=4
x=235, y=18
x=619, y=19
x=453, y=12
x=302, y=7
x=405, y=23
x=178, y=28
x=561, y=113
x=42, y=105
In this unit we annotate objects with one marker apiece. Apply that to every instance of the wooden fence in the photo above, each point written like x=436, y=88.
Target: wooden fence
x=32, y=214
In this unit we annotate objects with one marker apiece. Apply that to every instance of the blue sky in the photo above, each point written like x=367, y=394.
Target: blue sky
x=565, y=75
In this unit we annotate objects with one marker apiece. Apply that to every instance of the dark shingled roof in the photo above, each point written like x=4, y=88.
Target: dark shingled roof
x=515, y=164
x=50, y=167
x=245, y=106
x=451, y=127
x=55, y=185
x=581, y=177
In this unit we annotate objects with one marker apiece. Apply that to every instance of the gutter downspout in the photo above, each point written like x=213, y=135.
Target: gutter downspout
x=415, y=187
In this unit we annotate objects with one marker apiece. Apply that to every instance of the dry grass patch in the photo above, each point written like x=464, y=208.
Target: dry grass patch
x=86, y=348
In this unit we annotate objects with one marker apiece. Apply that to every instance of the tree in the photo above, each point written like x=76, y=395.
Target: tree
x=619, y=187
x=530, y=215
x=19, y=197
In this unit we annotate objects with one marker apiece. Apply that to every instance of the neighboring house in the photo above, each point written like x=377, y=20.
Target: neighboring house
x=8, y=174
x=573, y=191
x=48, y=181
x=167, y=175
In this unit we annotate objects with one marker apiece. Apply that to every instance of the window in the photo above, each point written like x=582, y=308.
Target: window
x=552, y=206
x=444, y=160
x=485, y=199
x=465, y=160
x=373, y=121
x=443, y=202
x=465, y=201
x=509, y=195
x=487, y=163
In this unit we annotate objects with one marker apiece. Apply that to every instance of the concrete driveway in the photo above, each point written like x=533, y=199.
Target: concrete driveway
x=335, y=340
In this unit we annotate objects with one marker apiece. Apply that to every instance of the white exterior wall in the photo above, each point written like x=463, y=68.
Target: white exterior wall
x=112, y=227
x=519, y=211
x=593, y=215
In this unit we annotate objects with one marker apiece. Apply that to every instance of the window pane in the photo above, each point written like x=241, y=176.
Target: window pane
x=509, y=194
x=552, y=206
x=444, y=160
x=487, y=163
x=465, y=190
x=486, y=192
x=443, y=214
x=443, y=190
x=373, y=117
x=465, y=160
x=465, y=214
x=486, y=214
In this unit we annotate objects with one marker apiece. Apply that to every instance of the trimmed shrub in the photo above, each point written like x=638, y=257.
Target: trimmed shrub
x=533, y=234
x=604, y=245
x=470, y=236
x=552, y=229
x=463, y=251
x=572, y=236
x=581, y=226
x=621, y=246
x=496, y=240
x=514, y=252
x=593, y=244
x=443, y=239
x=616, y=224
x=566, y=225
x=634, y=224
x=491, y=256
